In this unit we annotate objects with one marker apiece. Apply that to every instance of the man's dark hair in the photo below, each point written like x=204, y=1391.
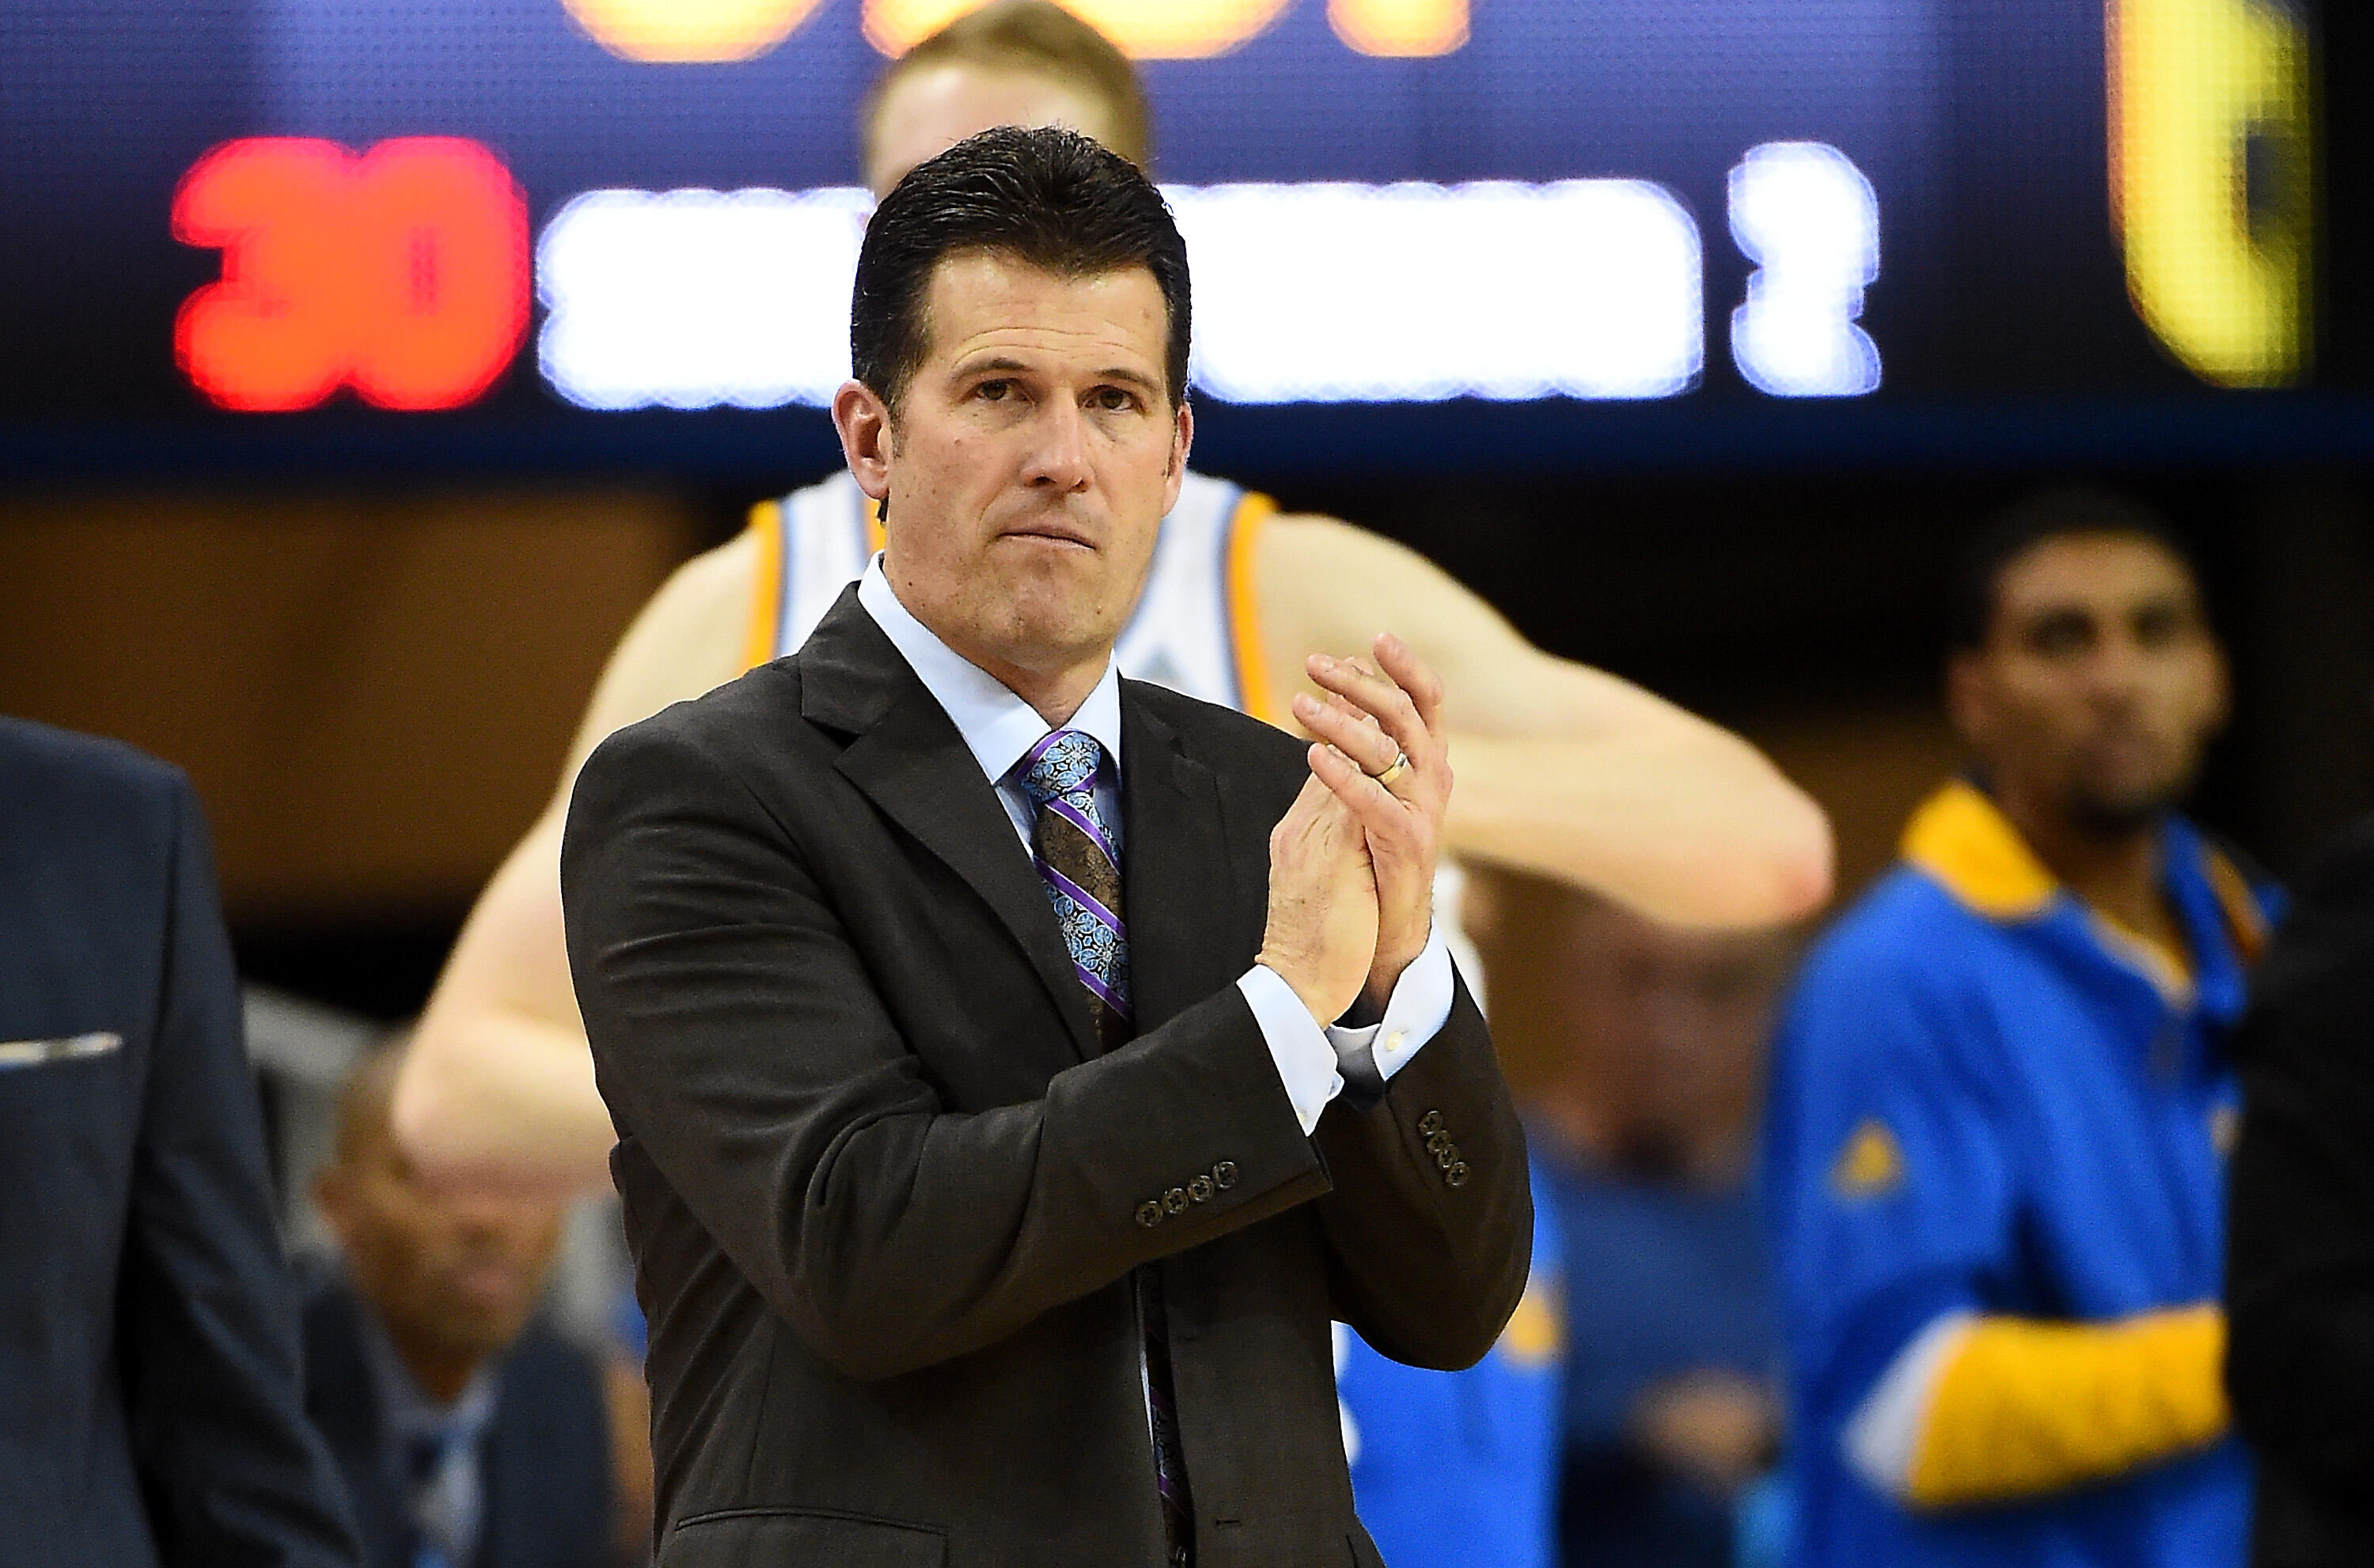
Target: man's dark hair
x=1049, y=198
x=2059, y=513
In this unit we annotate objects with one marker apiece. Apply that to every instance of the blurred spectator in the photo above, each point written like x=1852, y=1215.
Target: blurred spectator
x=2001, y=1099
x=1645, y=1047
x=148, y=1373
x=2300, y=1265
x=470, y=1436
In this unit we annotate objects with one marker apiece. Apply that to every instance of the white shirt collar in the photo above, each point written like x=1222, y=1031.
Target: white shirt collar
x=997, y=726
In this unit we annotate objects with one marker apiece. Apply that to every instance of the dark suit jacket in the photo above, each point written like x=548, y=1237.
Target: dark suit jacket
x=883, y=1195
x=2301, y=1226
x=549, y=1498
x=148, y=1375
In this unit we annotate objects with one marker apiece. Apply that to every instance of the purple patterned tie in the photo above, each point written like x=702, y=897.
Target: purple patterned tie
x=1074, y=847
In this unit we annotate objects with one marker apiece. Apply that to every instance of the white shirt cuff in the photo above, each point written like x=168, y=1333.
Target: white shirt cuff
x=1415, y=1013
x=1306, y=1062
x=1313, y=1063
x=1883, y=1435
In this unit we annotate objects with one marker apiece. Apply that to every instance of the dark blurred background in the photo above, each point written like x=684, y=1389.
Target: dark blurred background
x=368, y=633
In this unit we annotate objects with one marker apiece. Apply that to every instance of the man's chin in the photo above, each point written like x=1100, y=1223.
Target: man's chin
x=1048, y=618
x=2122, y=814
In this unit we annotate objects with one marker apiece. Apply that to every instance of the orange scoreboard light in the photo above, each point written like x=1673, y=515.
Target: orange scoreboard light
x=402, y=272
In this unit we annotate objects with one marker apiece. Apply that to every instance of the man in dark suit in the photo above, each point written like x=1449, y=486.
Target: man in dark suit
x=1015, y=1068
x=469, y=1434
x=2301, y=1226
x=148, y=1375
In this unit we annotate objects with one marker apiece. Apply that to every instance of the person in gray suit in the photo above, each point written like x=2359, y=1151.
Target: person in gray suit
x=149, y=1413
x=1015, y=1068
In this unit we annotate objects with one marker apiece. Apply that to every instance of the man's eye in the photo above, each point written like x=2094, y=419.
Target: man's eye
x=2060, y=635
x=993, y=392
x=1114, y=400
x=2159, y=626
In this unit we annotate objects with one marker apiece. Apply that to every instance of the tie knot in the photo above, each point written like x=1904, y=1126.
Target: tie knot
x=1062, y=764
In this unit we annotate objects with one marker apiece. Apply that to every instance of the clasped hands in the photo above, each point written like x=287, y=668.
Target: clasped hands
x=1351, y=864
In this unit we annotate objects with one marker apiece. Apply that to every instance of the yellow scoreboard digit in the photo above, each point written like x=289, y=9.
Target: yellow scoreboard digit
x=689, y=31
x=2210, y=180
x=1198, y=29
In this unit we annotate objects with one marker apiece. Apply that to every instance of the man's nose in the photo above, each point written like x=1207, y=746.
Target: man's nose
x=1059, y=452
x=2116, y=674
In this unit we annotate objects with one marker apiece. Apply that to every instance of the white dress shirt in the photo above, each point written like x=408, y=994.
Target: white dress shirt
x=999, y=728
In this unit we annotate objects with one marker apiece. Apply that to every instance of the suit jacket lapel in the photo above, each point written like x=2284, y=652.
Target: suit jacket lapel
x=1178, y=888
x=912, y=763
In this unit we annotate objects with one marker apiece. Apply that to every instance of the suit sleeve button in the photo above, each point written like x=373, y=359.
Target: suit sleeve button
x=1430, y=1122
x=1200, y=1189
x=1447, y=1156
x=1457, y=1175
x=1224, y=1175
x=1437, y=1141
x=1175, y=1201
x=1149, y=1213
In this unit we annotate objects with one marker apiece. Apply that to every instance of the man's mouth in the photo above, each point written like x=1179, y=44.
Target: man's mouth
x=1052, y=533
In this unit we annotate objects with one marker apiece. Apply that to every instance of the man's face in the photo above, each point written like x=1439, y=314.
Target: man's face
x=1030, y=463
x=1645, y=1038
x=458, y=1270
x=931, y=109
x=2098, y=686
x=1667, y=1027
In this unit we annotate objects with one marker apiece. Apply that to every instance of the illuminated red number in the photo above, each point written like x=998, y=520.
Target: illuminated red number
x=403, y=273
x=277, y=331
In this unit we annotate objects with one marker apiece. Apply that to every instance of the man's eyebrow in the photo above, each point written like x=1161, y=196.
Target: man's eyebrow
x=1005, y=365
x=2174, y=602
x=2054, y=610
x=1127, y=377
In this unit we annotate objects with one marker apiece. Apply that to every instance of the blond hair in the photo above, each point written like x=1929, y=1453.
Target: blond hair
x=1034, y=38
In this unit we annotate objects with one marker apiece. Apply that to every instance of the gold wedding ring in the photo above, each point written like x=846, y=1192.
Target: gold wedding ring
x=1399, y=766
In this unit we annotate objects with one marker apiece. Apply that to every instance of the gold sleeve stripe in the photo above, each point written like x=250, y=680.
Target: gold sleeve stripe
x=1244, y=606
x=2027, y=1407
x=2243, y=916
x=766, y=584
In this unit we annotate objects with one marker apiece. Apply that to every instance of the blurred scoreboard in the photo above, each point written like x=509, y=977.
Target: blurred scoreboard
x=536, y=212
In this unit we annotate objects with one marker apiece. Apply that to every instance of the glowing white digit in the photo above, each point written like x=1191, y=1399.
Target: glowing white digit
x=1587, y=289
x=1326, y=293
x=1805, y=214
x=695, y=298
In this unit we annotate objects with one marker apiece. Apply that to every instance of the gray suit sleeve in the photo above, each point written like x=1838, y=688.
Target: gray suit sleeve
x=743, y=1041
x=207, y=1315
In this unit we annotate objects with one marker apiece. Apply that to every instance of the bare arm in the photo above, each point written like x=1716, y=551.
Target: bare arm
x=1563, y=770
x=498, y=1083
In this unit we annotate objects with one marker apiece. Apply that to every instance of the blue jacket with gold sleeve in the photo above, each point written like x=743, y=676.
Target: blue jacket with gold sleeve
x=1990, y=1101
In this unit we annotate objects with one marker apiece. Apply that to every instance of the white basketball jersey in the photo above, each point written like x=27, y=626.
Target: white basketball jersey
x=1193, y=629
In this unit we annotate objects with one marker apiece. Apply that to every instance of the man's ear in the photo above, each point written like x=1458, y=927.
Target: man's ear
x=864, y=421
x=2221, y=689
x=1182, y=437
x=1965, y=695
